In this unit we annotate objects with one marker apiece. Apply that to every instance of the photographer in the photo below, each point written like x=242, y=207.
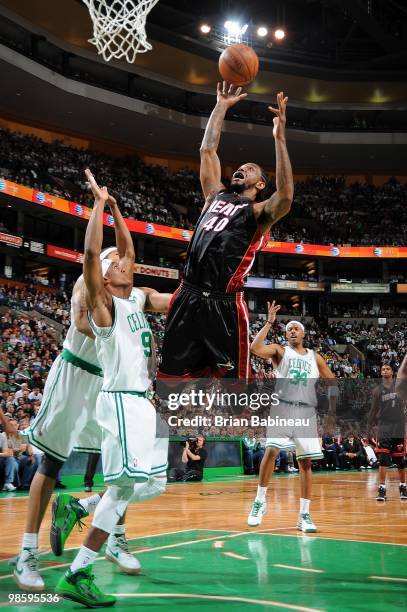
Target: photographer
x=194, y=455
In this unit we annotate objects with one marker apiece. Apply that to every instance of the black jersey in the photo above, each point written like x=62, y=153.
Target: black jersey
x=390, y=415
x=224, y=244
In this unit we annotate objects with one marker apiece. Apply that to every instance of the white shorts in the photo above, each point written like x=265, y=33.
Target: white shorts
x=306, y=448
x=66, y=420
x=131, y=452
x=303, y=438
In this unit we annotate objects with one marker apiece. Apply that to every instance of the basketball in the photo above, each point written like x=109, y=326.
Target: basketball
x=239, y=64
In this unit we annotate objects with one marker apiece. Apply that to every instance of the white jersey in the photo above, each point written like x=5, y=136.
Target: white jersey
x=297, y=376
x=81, y=345
x=124, y=348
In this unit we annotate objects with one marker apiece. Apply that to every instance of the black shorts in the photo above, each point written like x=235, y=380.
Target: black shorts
x=206, y=334
x=391, y=450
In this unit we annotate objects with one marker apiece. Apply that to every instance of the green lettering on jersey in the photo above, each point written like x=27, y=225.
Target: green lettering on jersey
x=297, y=377
x=137, y=321
x=146, y=338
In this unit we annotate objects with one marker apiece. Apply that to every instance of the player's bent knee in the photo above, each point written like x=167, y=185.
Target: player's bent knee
x=154, y=487
x=49, y=466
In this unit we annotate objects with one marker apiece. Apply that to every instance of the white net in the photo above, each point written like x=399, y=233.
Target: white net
x=119, y=27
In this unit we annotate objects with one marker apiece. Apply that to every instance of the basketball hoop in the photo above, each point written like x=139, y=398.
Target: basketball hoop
x=119, y=27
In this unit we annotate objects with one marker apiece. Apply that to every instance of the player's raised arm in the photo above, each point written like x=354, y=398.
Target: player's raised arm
x=210, y=171
x=99, y=301
x=79, y=307
x=124, y=241
x=155, y=301
x=257, y=347
x=401, y=380
x=279, y=204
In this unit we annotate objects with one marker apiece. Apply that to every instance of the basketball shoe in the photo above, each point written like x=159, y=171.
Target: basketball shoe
x=117, y=551
x=403, y=491
x=66, y=513
x=305, y=523
x=259, y=509
x=80, y=586
x=381, y=494
x=26, y=572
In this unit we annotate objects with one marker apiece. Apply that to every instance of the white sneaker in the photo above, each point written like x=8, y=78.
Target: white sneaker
x=257, y=512
x=26, y=572
x=9, y=487
x=117, y=551
x=305, y=523
x=292, y=469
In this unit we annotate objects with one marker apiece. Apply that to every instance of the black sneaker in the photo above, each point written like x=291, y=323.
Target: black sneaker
x=403, y=491
x=381, y=494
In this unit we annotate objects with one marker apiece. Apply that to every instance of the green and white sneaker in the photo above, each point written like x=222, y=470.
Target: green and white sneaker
x=117, y=551
x=305, y=523
x=26, y=572
x=80, y=586
x=66, y=513
x=257, y=512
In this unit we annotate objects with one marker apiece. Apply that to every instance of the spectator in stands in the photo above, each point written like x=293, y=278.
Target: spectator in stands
x=21, y=464
x=352, y=455
x=253, y=452
x=152, y=193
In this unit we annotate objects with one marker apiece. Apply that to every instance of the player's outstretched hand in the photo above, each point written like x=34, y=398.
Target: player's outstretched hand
x=100, y=193
x=279, y=120
x=112, y=202
x=273, y=309
x=229, y=94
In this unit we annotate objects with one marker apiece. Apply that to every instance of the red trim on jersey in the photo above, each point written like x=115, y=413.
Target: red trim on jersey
x=382, y=450
x=245, y=265
x=243, y=331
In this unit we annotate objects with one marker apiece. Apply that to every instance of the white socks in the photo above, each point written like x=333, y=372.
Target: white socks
x=30, y=540
x=85, y=557
x=304, y=505
x=261, y=493
x=90, y=503
x=118, y=530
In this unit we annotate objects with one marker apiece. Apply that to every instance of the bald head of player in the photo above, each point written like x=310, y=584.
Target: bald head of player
x=295, y=332
x=249, y=180
x=386, y=371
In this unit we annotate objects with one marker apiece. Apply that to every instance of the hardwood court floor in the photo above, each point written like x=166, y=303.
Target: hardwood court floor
x=198, y=553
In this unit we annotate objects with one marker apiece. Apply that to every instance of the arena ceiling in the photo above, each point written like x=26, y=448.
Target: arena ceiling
x=33, y=93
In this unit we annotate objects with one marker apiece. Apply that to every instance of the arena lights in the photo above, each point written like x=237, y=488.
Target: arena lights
x=279, y=34
x=232, y=27
x=262, y=31
x=205, y=28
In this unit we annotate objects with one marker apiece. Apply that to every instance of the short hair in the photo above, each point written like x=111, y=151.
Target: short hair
x=388, y=364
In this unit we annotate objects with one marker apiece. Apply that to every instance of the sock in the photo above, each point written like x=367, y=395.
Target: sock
x=304, y=505
x=90, y=503
x=261, y=493
x=119, y=530
x=84, y=558
x=30, y=540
